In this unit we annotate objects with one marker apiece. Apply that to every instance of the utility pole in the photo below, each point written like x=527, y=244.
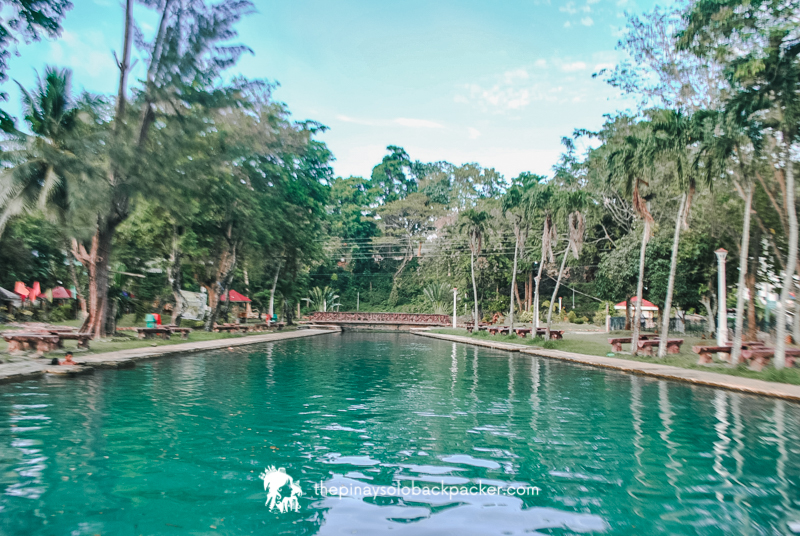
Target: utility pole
x=358, y=299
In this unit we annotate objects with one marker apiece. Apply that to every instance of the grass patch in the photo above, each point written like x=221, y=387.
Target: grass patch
x=597, y=344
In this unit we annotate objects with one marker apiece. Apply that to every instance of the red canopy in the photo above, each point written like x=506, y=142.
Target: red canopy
x=645, y=303
x=60, y=293
x=235, y=296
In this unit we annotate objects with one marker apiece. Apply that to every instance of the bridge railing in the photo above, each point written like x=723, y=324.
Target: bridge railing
x=383, y=318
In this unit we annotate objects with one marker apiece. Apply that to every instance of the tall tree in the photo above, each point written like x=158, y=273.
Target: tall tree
x=474, y=224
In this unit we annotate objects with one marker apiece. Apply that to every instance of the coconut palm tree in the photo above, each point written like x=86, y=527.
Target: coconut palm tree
x=517, y=206
x=35, y=178
x=474, y=224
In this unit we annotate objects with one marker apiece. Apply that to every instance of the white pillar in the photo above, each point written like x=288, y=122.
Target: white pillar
x=722, y=299
x=454, y=307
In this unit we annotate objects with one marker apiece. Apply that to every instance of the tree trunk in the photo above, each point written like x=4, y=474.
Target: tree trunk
x=96, y=261
x=744, y=251
x=673, y=266
x=79, y=295
x=627, y=313
x=175, y=280
x=752, y=322
x=513, y=283
x=639, y=289
x=474, y=290
x=791, y=263
x=221, y=285
x=272, y=292
x=529, y=292
x=555, y=293
x=537, y=280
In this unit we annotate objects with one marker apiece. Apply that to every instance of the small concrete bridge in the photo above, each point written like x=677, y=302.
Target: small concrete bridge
x=379, y=321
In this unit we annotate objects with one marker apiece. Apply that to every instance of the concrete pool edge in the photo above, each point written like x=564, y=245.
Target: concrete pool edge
x=697, y=377
x=26, y=370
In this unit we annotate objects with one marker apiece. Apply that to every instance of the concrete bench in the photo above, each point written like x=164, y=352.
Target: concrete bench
x=183, y=331
x=522, y=332
x=706, y=353
x=617, y=342
x=556, y=334
x=673, y=345
x=759, y=357
x=41, y=342
x=235, y=328
x=149, y=333
x=82, y=338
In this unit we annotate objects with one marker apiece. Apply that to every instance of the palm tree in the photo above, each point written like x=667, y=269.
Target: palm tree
x=540, y=201
x=517, y=206
x=628, y=163
x=35, y=178
x=731, y=143
x=675, y=133
x=474, y=224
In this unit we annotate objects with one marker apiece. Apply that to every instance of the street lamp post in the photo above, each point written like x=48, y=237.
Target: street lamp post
x=722, y=309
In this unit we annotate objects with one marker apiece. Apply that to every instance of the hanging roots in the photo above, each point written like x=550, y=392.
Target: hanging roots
x=577, y=230
x=549, y=236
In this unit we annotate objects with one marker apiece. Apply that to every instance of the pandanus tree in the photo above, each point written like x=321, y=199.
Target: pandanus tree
x=630, y=162
x=474, y=224
x=540, y=201
x=572, y=205
x=517, y=207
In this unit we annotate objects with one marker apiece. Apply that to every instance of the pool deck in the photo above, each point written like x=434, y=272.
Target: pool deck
x=25, y=370
x=697, y=377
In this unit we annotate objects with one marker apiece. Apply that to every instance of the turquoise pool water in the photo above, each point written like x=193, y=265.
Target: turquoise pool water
x=176, y=446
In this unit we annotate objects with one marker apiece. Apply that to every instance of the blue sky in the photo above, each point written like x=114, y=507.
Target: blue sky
x=493, y=82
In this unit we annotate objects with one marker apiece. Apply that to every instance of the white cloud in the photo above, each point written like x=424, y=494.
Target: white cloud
x=567, y=24
x=569, y=7
x=586, y=9
x=503, y=96
x=353, y=120
x=600, y=66
x=541, y=63
x=473, y=133
x=516, y=74
x=587, y=21
x=416, y=123
x=88, y=52
x=592, y=1
x=574, y=66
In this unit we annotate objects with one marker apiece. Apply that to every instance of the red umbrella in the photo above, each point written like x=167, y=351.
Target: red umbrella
x=235, y=297
x=60, y=293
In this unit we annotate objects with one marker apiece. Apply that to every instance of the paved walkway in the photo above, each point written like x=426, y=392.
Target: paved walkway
x=23, y=370
x=697, y=377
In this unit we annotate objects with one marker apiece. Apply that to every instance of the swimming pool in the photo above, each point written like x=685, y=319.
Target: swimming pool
x=177, y=446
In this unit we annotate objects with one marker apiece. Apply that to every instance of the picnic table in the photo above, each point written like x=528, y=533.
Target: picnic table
x=149, y=333
x=673, y=345
x=42, y=342
x=556, y=334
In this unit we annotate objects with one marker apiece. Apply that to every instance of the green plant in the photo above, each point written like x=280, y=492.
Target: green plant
x=322, y=299
x=525, y=316
x=61, y=313
x=573, y=318
x=437, y=295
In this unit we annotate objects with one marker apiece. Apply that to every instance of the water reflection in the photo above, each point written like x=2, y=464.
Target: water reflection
x=175, y=446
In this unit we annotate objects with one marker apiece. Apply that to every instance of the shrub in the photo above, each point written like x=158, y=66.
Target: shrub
x=549, y=345
x=572, y=317
x=525, y=316
x=61, y=313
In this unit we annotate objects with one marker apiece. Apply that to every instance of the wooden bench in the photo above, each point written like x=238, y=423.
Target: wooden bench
x=522, y=332
x=494, y=330
x=673, y=345
x=82, y=338
x=617, y=342
x=149, y=333
x=41, y=342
